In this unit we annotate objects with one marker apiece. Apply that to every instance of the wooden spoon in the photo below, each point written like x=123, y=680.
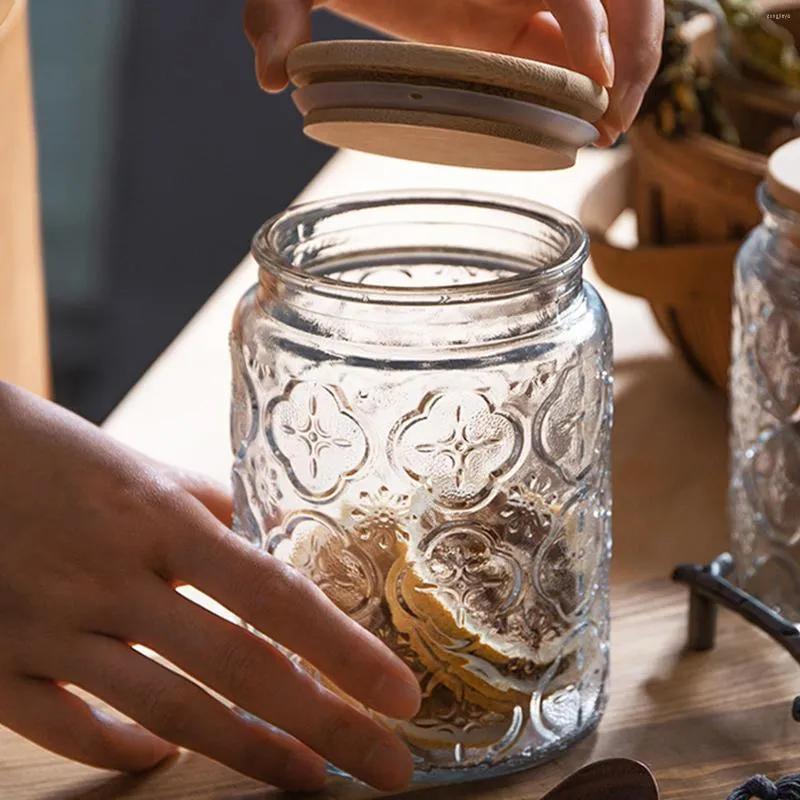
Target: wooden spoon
x=613, y=779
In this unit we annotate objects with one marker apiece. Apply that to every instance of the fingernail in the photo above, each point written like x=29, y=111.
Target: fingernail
x=388, y=768
x=265, y=59
x=608, y=134
x=629, y=103
x=303, y=774
x=607, y=55
x=397, y=697
x=409, y=698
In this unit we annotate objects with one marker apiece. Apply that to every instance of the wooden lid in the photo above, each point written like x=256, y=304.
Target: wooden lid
x=783, y=175
x=444, y=105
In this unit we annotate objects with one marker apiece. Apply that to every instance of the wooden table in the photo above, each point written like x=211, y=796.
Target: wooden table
x=703, y=722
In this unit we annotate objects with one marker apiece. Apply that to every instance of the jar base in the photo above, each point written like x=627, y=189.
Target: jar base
x=521, y=762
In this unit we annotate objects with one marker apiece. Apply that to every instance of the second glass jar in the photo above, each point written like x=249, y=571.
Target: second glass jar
x=422, y=405
x=764, y=498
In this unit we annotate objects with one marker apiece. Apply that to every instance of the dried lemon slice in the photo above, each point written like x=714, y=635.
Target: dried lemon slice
x=502, y=681
x=484, y=685
x=479, y=619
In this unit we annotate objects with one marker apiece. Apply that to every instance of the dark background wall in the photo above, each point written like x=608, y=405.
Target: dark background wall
x=159, y=158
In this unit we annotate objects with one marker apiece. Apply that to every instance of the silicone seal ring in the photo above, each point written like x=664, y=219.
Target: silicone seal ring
x=461, y=102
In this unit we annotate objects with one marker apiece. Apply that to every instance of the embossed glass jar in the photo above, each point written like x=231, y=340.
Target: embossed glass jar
x=765, y=394
x=422, y=406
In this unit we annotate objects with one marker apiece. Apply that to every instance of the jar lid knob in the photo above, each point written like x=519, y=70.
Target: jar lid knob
x=783, y=175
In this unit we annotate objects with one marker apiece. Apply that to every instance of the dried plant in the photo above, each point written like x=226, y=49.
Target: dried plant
x=682, y=98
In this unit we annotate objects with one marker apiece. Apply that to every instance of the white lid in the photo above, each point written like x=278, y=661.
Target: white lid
x=783, y=175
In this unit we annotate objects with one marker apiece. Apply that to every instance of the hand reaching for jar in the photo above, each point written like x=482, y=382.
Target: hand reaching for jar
x=93, y=542
x=615, y=42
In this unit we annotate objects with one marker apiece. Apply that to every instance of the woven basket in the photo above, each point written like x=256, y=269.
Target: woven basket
x=695, y=202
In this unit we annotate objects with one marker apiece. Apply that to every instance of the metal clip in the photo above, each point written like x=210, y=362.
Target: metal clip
x=709, y=587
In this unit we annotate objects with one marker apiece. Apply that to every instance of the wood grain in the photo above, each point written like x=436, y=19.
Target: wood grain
x=438, y=138
x=552, y=86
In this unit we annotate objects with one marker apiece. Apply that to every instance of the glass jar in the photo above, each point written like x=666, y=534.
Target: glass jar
x=422, y=404
x=765, y=403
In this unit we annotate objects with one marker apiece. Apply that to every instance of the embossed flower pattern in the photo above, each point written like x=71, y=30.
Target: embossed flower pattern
x=458, y=445
x=567, y=565
x=778, y=352
x=263, y=487
x=316, y=546
x=380, y=521
x=382, y=517
x=444, y=714
x=478, y=523
x=573, y=688
x=471, y=567
x=774, y=481
x=319, y=442
x=244, y=402
x=566, y=427
x=526, y=518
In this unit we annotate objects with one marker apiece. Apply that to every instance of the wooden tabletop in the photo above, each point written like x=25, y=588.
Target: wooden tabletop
x=703, y=722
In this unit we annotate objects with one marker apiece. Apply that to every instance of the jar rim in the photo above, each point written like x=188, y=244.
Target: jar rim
x=569, y=260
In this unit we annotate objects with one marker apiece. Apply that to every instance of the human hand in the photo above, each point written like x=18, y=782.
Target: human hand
x=615, y=42
x=93, y=542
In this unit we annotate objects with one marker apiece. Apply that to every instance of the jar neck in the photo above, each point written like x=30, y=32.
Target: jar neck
x=429, y=270
x=783, y=228
x=422, y=327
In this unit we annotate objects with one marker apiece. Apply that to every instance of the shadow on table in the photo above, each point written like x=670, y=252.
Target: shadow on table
x=193, y=776
x=670, y=469
x=184, y=776
x=112, y=788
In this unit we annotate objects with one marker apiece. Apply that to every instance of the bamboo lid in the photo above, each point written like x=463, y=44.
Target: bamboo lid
x=444, y=105
x=783, y=175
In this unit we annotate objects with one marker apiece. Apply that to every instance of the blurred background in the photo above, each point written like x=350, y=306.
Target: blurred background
x=159, y=157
